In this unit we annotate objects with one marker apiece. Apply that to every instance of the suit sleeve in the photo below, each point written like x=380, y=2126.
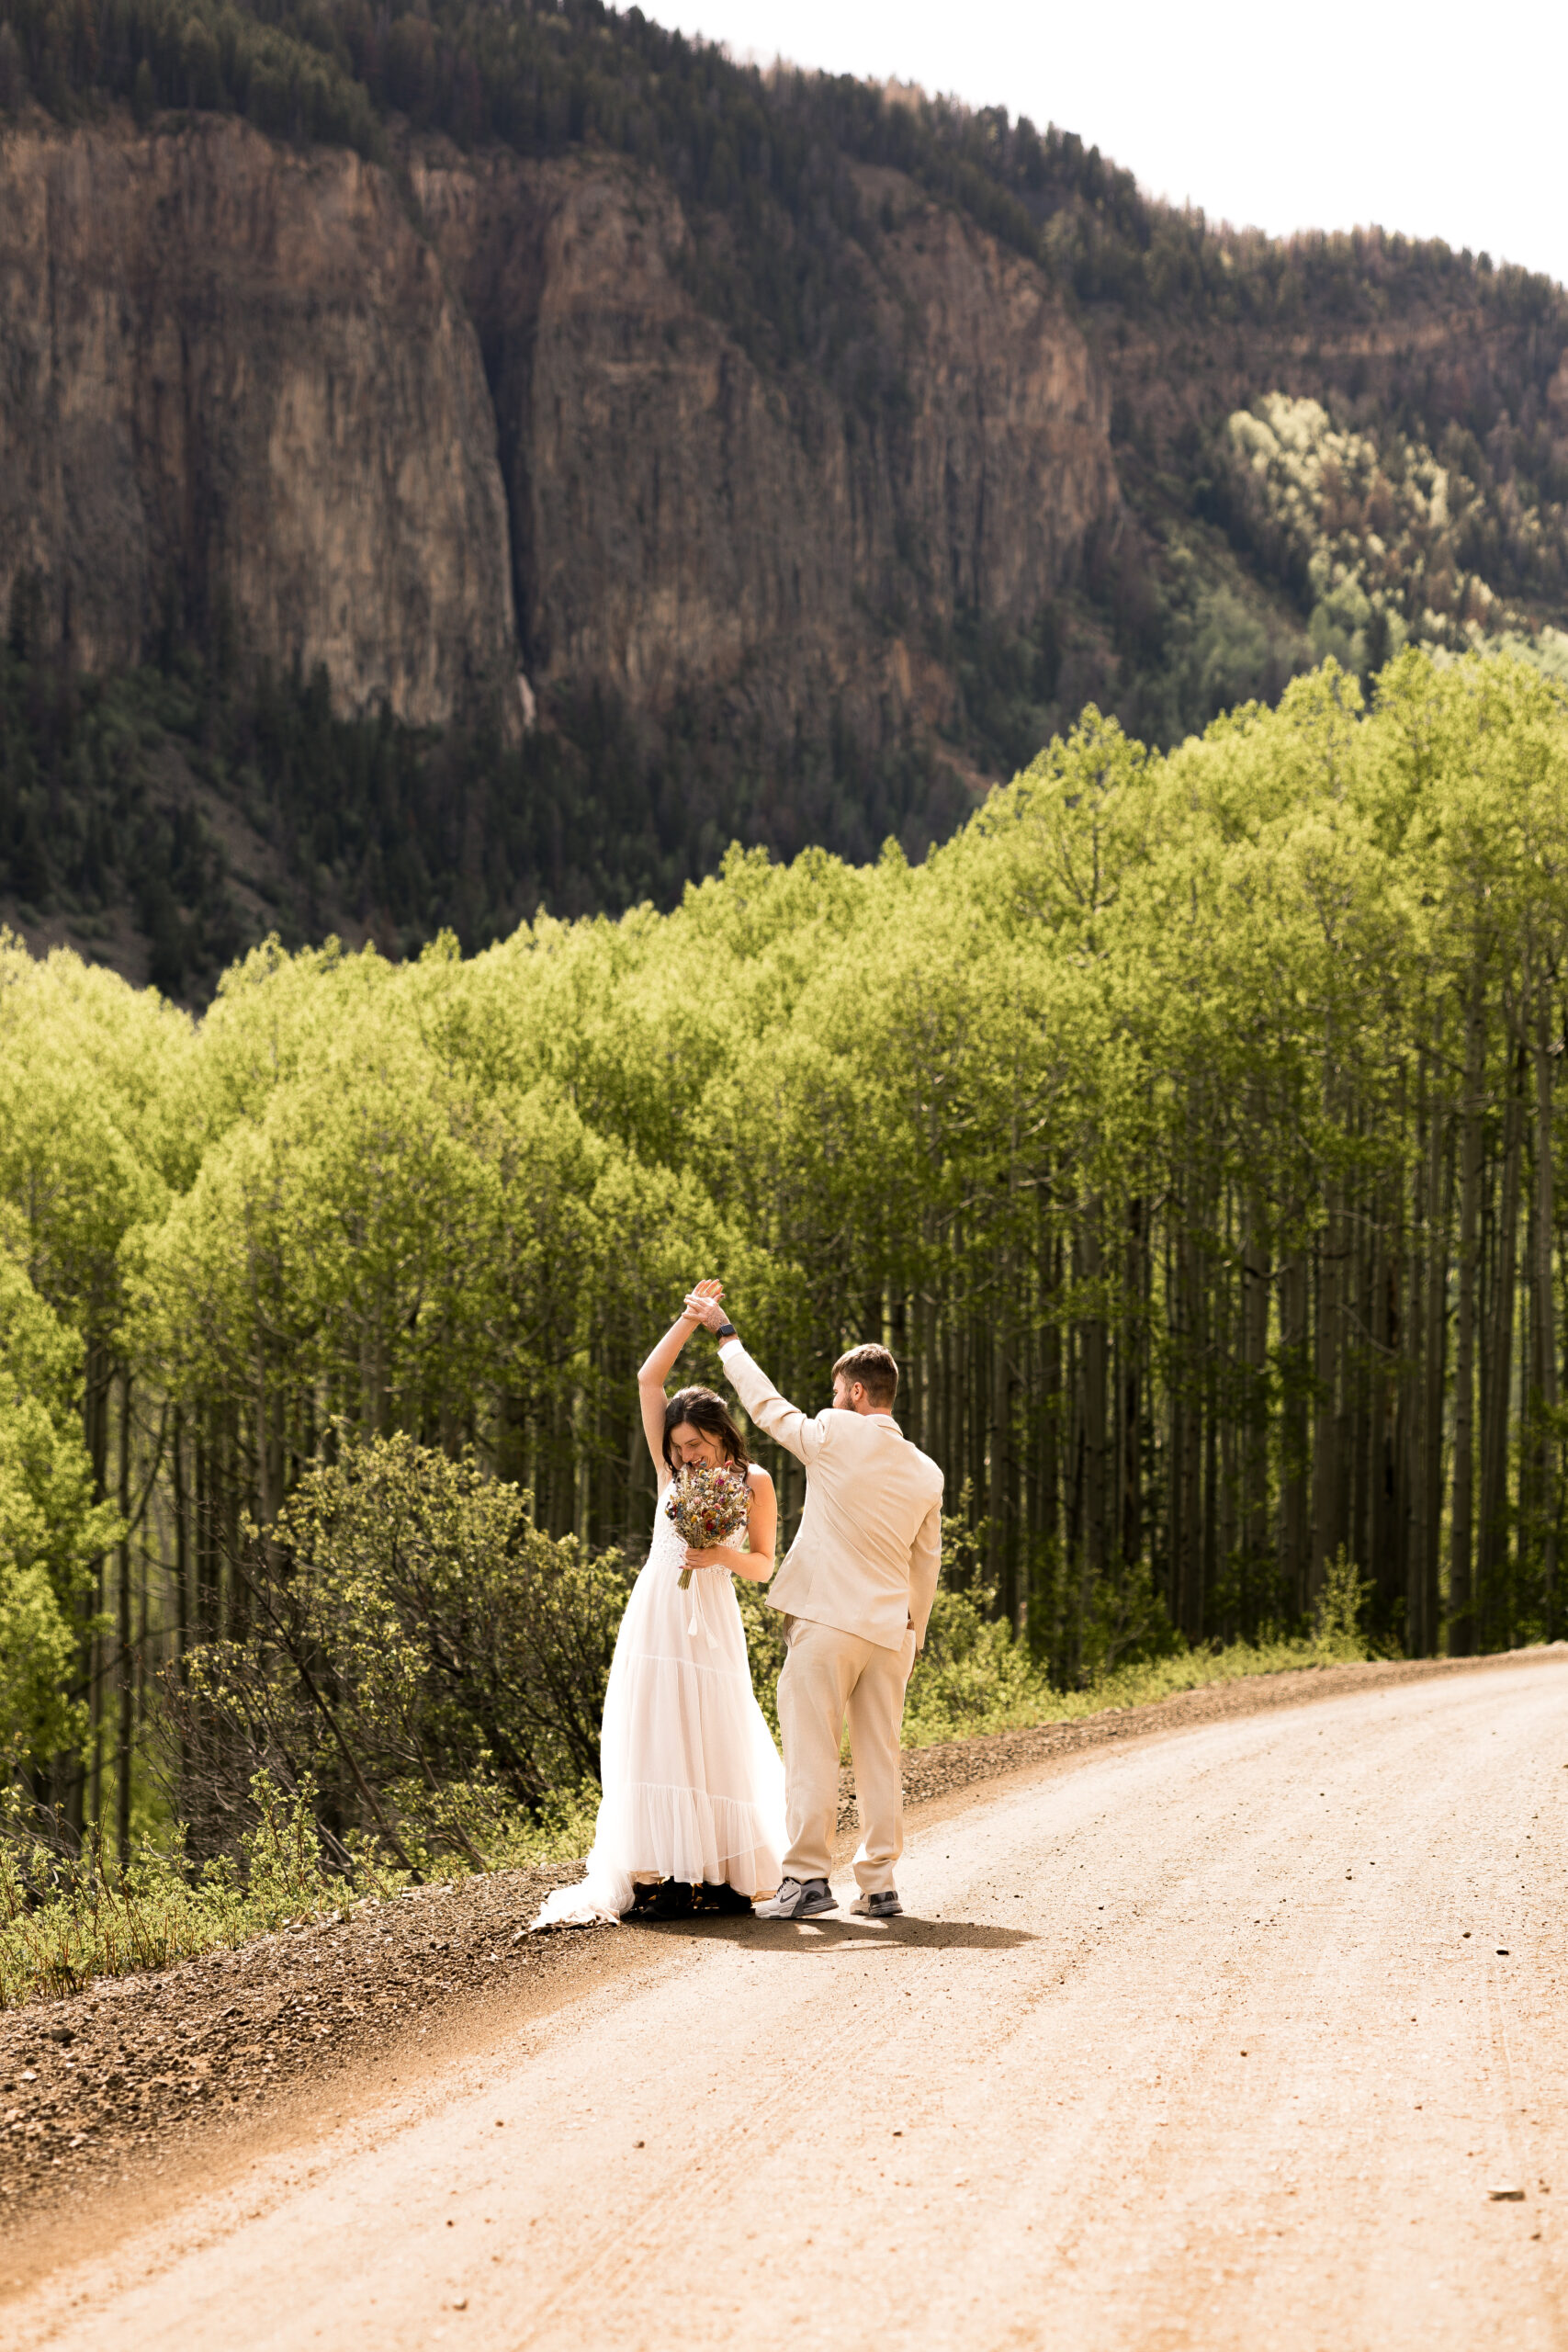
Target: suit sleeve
x=784, y=1422
x=925, y=1567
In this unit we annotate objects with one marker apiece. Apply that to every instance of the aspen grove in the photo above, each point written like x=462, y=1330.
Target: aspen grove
x=1187, y=1126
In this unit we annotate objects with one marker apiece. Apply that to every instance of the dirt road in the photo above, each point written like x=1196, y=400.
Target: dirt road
x=1221, y=2039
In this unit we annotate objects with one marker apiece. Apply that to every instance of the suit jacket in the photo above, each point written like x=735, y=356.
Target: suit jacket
x=868, y=1551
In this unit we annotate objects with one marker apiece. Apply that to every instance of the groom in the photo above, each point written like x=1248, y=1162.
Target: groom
x=856, y=1588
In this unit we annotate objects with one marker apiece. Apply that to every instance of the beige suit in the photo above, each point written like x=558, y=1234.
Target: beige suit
x=856, y=1589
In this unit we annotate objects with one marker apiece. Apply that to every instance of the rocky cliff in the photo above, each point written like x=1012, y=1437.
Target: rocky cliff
x=248, y=383
x=237, y=395
x=774, y=460
x=680, y=521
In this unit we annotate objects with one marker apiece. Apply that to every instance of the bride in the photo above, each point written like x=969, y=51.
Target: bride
x=692, y=1813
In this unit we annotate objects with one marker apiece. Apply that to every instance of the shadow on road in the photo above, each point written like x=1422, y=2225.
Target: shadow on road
x=833, y=1934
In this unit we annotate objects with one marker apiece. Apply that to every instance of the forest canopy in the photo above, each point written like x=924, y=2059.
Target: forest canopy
x=1187, y=1125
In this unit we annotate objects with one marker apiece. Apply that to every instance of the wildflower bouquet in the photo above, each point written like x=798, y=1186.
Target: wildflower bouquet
x=708, y=1507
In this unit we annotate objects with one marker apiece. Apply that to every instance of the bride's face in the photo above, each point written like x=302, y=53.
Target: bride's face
x=695, y=1449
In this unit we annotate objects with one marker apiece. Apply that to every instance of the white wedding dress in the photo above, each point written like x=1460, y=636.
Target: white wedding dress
x=694, y=1785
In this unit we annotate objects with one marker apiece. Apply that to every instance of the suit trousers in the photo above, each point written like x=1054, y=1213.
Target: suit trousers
x=826, y=1675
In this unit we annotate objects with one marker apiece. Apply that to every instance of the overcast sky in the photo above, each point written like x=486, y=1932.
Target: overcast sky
x=1440, y=121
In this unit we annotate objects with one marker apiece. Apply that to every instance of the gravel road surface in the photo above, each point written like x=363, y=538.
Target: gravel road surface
x=1226, y=2038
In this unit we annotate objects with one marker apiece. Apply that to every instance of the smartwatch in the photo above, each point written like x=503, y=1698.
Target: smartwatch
x=725, y=1331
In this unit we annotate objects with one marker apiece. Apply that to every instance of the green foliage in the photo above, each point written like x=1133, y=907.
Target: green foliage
x=90, y=823
x=1342, y=1607
x=95, y=1084
x=112, y=789
x=976, y=1675
x=1376, y=539
x=291, y=73
x=1009, y=685
x=417, y=1649
x=764, y=1646
x=1192, y=634
x=1142, y=1119
x=51, y=1527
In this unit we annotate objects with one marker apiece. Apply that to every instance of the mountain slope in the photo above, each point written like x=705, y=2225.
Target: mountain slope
x=486, y=455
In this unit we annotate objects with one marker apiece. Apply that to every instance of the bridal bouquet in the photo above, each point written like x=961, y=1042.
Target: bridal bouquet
x=708, y=1507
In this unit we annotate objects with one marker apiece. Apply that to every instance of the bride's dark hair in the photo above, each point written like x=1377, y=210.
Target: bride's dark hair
x=704, y=1411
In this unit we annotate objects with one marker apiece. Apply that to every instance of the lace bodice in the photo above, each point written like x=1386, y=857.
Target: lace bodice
x=665, y=1547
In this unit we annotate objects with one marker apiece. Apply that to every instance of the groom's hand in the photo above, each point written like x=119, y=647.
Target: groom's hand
x=704, y=1304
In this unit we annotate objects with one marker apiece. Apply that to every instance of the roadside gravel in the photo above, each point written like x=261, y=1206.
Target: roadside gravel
x=138, y=2065
x=138, y=2072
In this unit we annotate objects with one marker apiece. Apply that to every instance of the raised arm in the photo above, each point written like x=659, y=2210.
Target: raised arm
x=784, y=1422
x=653, y=1375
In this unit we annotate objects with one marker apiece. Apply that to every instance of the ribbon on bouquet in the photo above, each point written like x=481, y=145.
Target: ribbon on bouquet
x=698, y=1617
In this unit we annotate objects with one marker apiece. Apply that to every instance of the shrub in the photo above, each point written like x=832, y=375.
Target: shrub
x=418, y=1648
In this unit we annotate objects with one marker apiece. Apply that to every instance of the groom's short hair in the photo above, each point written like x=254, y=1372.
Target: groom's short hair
x=875, y=1369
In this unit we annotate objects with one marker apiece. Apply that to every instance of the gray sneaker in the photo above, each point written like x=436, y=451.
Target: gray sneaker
x=885, y=1905
x=796, y=1900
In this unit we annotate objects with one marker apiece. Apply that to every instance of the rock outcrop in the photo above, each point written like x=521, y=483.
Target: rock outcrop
x=682, y=520
x=236, y=389
x=242, y=388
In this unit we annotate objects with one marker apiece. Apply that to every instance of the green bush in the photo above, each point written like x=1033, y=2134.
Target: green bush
x=980, y=1679
x=976, y=1675
x=417, y=1648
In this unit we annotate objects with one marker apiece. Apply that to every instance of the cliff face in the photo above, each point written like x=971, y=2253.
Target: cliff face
x=682, y=521
x=1427, y=363
x=491, y=430
x=234, y=381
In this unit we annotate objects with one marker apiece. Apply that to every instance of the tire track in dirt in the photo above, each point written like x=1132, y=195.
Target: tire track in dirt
x=1201, y=2040
x=1046, y=1959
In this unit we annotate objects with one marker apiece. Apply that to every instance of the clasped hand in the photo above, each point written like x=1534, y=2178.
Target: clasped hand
x=704, y=1305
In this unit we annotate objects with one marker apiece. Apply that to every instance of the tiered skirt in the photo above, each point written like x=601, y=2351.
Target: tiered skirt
x=693, y=1783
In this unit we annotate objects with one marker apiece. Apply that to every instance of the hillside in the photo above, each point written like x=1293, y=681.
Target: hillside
x=463, y=458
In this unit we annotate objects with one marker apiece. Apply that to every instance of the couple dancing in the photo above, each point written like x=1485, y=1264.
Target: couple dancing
x=697, y=1812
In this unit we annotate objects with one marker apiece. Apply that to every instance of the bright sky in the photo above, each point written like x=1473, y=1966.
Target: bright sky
x=1439, y=120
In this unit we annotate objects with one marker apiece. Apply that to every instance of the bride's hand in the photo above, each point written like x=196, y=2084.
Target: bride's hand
x=704, y=1305
x=718, y=1559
